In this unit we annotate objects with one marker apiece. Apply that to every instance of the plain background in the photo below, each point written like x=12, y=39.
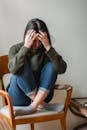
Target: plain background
x=67, y=23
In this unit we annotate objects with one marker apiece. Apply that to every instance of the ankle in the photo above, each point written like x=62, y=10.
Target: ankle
x=41, y=105
x=32, y=97
x=34, y=105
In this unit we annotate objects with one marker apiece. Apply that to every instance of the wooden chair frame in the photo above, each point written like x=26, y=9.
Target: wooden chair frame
x=6, y=100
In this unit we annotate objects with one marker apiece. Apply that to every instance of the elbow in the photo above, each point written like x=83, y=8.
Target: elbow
x=63, y=68
x=11, y=69
x=15, y=70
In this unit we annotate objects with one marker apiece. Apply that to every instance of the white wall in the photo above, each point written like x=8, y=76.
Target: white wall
x=66, y=21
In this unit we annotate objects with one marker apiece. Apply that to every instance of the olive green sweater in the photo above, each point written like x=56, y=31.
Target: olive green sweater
x=19, y=54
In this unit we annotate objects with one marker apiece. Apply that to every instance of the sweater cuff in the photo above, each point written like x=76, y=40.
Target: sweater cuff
x=51, y=52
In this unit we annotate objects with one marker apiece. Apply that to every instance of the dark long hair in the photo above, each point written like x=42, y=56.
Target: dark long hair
x=37, y=25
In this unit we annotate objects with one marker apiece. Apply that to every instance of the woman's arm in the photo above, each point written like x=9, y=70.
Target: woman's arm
x=16, y=57
x=59, y=63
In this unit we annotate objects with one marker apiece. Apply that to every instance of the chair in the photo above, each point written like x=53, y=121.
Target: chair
x=7, y=112
x=78, y=106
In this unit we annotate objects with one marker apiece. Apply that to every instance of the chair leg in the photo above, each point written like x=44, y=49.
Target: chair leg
x=32, y=126
x=14, y=128
x=63, y=124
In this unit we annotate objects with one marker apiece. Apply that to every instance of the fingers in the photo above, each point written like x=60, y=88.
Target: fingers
x=32, y=34
x=29, y=38
x=42, y=36
x=43, y=33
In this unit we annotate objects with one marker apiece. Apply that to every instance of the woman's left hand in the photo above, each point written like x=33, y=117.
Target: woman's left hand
x=42, y=36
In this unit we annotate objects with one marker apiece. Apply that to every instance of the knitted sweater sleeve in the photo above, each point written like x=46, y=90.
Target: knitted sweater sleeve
x=59, y=64
x=16, y=58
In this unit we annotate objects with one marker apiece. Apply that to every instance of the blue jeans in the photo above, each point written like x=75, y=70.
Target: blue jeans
x=26, y=83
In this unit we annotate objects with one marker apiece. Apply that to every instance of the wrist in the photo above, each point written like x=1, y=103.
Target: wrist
x=27, y=46
x=48, y=48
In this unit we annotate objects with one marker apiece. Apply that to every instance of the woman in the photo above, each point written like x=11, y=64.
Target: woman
x=35, y=65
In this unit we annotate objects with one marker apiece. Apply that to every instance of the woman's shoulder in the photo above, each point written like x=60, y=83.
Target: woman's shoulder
x=15, y=47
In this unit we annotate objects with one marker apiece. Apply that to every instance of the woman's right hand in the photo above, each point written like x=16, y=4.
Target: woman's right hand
x=29, y=38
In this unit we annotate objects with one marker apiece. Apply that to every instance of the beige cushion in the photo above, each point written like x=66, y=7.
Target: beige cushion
x=60, y=107
x=6, y=80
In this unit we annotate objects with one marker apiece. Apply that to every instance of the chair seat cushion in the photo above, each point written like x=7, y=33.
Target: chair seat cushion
x=6, y=80
x=50, y=109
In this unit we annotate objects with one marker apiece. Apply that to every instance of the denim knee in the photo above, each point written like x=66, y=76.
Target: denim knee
x=48, y=77
x=17, y=95
x=25, y=80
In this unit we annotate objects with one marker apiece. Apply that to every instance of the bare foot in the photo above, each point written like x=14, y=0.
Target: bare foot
x=41, y=105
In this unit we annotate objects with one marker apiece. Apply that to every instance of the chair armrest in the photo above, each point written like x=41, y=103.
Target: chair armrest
x=0, y=84
x=9, y=103
x=63, y=87
x=68, y=89
x=4, y=103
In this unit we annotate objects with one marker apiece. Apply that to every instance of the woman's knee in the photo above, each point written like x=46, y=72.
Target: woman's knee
x=50, y=68
x=48, y=75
